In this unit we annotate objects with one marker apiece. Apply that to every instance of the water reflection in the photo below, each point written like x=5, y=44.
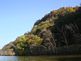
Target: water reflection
x=38, y=58
x=8, y=58
x=48, y=58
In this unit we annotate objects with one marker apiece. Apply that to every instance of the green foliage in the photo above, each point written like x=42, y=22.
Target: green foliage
x=46, y=24
x=70, y=9
x=63, y=11
x=43, y=25
x=33, y=40
x=22, y=41
x=20, y=44
x=49, y=21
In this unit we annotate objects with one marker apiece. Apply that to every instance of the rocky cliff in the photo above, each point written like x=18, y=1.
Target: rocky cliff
x=57, y=33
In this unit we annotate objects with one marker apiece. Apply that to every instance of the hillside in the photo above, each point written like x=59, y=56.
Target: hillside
x=57, y=33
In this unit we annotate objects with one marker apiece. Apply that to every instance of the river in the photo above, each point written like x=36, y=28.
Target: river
x=39, y=58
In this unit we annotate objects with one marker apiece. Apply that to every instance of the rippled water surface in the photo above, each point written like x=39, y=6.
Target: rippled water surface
x=39, y=58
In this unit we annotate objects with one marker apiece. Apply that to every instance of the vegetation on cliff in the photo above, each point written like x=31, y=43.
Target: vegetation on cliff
x=58, y=32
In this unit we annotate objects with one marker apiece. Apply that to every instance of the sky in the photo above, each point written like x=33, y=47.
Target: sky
x=18, y=16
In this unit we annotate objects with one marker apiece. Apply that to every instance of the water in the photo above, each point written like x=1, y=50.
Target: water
x=39, y=58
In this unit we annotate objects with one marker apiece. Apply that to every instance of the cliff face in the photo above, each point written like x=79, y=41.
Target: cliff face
x=57, y=33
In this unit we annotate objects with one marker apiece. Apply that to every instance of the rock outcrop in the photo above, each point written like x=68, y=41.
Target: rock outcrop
x=57, y=33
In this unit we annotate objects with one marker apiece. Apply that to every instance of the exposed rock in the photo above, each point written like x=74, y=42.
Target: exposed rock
x=63, y=37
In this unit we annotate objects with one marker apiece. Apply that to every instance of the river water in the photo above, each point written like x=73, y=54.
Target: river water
x=39, y=58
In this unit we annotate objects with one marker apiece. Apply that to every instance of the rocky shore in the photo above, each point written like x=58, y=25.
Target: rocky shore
x=57, y=33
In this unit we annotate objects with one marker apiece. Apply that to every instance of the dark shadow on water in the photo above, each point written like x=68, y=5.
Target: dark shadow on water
x=48, y=58
x=69, y=59
x=39, y=58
